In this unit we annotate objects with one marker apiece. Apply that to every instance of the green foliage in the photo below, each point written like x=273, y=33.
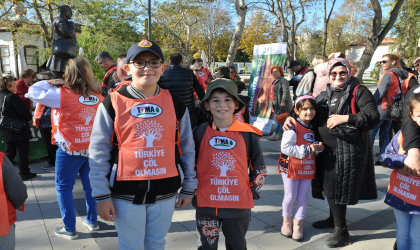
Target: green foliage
x=258, y=30
x=406, y=31
x=106, y=25
x=94, y=42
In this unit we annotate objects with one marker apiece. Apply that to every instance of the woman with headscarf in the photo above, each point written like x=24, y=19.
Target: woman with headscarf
x=344, y=171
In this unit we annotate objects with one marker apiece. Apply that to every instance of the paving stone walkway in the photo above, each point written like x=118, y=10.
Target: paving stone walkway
x=371, y=223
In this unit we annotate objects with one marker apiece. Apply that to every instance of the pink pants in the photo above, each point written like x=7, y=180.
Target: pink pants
x=295, y=190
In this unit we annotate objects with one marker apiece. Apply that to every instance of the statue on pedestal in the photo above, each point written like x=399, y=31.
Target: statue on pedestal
x=64, y=43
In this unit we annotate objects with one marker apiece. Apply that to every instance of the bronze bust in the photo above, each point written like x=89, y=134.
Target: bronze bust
x=64, y=43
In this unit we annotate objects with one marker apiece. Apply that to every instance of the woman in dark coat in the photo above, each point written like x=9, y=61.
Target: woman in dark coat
x=345, y=172
x=16, y=143
x=280, y=96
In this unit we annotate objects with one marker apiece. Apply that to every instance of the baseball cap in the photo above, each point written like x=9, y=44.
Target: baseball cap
x=293, y=63
x=225, y=84
x=142, y=46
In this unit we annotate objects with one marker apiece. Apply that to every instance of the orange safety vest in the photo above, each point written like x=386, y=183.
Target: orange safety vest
x=39, y=110
x=126, y=83
x=7, y=210
x=407, y=82
x=145, y=130
x=222, y=168
x=303, y=169
x=77, y=114
x=405, y=187
x=240, y=115
x=204, y=74
x=107, y=73
x=392, y=92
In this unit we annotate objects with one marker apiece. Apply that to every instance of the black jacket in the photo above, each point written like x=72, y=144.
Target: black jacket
x=409, y=127
x=354, y=167
x=15, y=108
x=182, y=82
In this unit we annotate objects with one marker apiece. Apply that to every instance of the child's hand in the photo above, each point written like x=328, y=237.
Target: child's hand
x=183, y=202
x=321, y=146
x=106, y=210
x=313, y=147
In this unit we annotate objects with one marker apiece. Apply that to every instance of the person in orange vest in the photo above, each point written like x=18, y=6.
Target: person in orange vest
x=300, y=145
x=230, y=169
x=142, y=153
x=42, y=120
x=409, y=83
x=13, y=195
x=403, y=190
x=106, y=62
x=388, y=89
x=74, y=101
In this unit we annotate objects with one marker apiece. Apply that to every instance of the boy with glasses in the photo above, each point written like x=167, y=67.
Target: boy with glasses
x=141, y=153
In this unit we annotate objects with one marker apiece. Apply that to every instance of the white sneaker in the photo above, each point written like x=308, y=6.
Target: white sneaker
x=46, y=167
x=273, y=137
x=51, y=169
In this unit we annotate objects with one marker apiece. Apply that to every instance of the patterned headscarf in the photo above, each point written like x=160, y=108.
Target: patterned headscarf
x=416, y=62
x=342, y=61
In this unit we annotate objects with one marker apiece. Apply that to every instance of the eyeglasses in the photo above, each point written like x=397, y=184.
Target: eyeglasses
x=341, y=73
x=383, y=62
x=152, y=63
x=197, y=70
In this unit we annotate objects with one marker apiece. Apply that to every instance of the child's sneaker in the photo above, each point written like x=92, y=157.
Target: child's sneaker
x=66, y=234
x=91, y=226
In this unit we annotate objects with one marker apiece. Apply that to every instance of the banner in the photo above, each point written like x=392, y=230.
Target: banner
x=265, y=57
x=37, y=148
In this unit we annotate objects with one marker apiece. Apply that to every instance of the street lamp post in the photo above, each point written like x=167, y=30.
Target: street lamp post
x=149, y=12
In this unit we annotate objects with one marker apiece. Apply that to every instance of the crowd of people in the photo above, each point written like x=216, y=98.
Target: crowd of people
x=153, y=138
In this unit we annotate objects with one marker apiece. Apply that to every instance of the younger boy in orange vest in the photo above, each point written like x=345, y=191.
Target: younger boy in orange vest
x=141, y=153
x=12, y=196
x=230, y=169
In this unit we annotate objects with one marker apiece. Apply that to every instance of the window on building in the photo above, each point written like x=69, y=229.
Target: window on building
x=5, y=59
x=31, y=56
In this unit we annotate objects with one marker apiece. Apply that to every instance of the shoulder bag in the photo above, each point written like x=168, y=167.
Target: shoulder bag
x=395, y=111
x=10, y=124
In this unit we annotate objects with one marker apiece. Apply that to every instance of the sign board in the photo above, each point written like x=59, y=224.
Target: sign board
x=264, y=58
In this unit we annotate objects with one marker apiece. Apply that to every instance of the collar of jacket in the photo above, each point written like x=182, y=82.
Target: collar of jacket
x=346, y=93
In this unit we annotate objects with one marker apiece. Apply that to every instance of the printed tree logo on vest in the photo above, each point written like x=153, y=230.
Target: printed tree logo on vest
x=224, y=161
x=309, y=137
x=222, y=143
x=90, y=101
x=149, y=130
x=147, y=110
x=88, y=114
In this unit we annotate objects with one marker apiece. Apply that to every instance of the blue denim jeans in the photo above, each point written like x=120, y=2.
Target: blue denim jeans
x=408, y=230
x=277, y=126
x=66, y=169
x=384, y=126
x=143, y=226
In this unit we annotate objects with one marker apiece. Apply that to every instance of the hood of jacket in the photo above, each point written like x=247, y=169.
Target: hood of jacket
x=402, y=73
x=321, y=69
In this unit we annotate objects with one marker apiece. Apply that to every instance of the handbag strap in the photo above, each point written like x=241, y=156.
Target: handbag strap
x=399, y=84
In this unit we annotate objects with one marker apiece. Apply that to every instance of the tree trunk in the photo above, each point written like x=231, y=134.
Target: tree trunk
x=376, y=35
x=326, y=21
x=241, y=10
